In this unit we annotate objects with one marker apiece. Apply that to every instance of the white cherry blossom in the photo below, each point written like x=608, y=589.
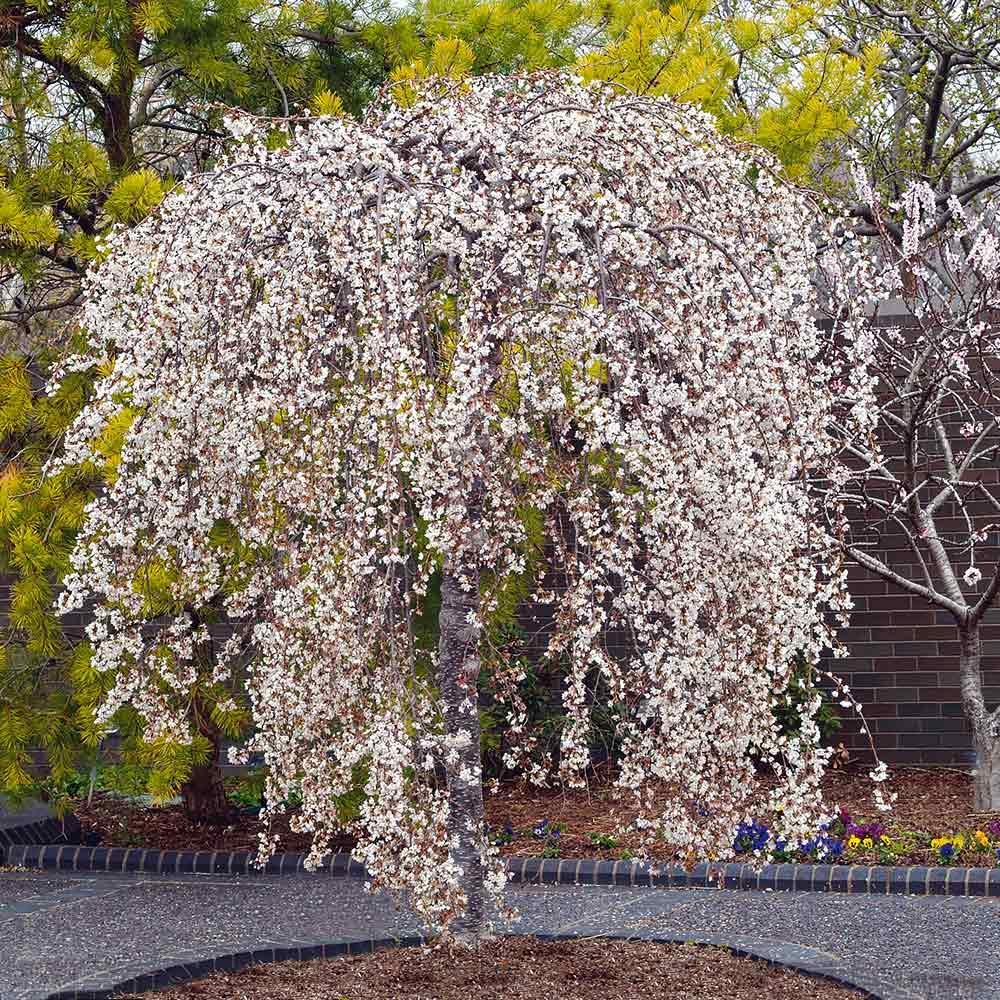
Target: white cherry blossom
x=518, y=310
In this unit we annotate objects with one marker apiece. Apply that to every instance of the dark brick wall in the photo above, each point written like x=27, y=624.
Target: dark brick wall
x=903, y=668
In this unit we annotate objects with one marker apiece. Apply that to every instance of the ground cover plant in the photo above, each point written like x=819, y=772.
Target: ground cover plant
x=520, y=969
x=482, y=337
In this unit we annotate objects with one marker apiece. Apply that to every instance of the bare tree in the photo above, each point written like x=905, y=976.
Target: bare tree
x=926, y=469
x=936, y=116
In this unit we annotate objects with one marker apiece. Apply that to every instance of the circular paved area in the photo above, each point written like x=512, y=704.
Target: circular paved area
x=60, y=934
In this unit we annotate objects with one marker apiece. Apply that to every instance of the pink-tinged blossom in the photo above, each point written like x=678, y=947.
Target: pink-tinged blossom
x=587, y=310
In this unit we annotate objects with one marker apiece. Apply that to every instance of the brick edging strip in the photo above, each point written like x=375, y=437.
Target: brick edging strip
x=776, y=954
x=42, y=832
x=912, y=880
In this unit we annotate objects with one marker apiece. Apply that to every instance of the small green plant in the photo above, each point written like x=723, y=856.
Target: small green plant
x=802, y=687
x=127, y=837
x=71, y=786
x=549, y=833
x=127, y=780
x=247, y=790
x=502, y=837
x=604, y=840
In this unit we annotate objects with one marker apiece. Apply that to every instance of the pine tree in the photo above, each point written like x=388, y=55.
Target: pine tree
x=771, y=74
x=49, y=687
x=44, y=695
x=103, y=106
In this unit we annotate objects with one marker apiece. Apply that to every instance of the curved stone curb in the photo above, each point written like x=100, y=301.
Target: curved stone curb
x=198, y=966
x=797, y=958
x=42, y=832
x=911, y=880
x=77, y=858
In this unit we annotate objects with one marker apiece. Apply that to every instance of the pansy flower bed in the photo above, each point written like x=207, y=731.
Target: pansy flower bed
x=845, y=841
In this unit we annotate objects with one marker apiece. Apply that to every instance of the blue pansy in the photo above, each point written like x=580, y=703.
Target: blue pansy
x=751, y=836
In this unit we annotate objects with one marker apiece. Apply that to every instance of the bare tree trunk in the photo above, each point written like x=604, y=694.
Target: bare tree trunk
x=986, y=788
x=458, y=678
x=204, y=794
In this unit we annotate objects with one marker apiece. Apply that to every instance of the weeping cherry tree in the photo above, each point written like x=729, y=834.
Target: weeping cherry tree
x=503, y=328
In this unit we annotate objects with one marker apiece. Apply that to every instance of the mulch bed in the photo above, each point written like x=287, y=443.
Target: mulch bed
x=519, y=969
x=931, y=802
x=111, y=821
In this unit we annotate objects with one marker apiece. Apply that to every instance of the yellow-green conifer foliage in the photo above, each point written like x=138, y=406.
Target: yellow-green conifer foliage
x=48, y=685
x=769, y=73
x=104, y=103
x=45, y=700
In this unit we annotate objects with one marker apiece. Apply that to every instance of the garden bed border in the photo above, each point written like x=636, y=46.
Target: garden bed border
x=884, y=880
x=44, y=832
x=806, y=961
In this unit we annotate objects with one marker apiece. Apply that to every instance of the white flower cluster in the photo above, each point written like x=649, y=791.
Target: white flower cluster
x=589, y=303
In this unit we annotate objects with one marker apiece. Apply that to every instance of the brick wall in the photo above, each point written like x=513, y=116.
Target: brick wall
x=903, y=652
x=903, y=668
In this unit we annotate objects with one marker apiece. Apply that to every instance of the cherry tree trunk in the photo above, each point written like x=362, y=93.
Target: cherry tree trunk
x=458, y=676
x=986, y=788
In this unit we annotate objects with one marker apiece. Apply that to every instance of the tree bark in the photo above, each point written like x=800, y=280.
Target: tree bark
x=117, y=132
x=458, y=676
x=204, y=794
x=987, y=785
x=985, y=741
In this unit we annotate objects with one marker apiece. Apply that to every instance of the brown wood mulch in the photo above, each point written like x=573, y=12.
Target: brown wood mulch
x=117, y=822
x=931, y=802
x=519, y=969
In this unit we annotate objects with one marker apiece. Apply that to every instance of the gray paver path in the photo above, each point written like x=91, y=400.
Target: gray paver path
x=91, y=931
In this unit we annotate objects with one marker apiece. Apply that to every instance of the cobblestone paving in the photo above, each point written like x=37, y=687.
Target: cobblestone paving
x=59, y=935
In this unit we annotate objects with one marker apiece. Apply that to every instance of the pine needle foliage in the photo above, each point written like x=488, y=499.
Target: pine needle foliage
x=46, y=693
x=49, y=687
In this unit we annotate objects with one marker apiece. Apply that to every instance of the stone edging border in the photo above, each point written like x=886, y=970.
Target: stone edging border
x=911, y=880
x=43, y=831
x=776, y=954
